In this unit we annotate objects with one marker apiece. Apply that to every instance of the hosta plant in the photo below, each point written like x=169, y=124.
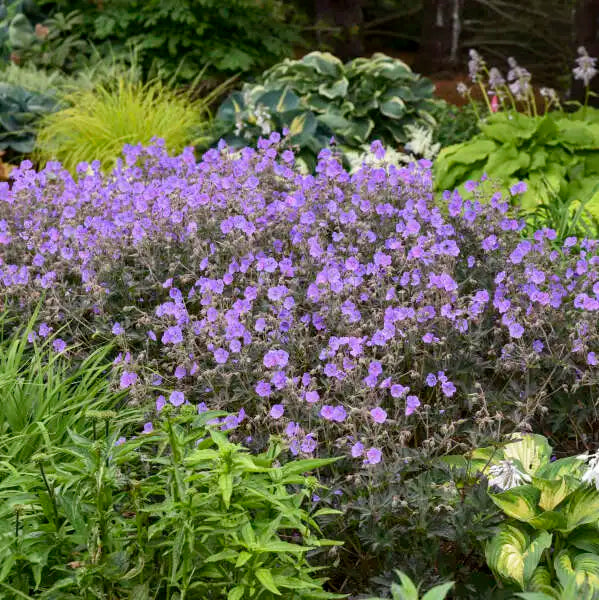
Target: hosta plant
x=550, y=540
x=406, y=590
x=554, y=152
x=177, y=511
x=318, y=97
x=20, y=113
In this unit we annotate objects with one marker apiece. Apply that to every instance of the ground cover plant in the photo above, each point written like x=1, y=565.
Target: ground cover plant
x=553, y=151
x=348, y=315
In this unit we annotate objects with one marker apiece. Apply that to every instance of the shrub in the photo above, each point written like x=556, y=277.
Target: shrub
x=178, y=511
x=181, y=37
x=318, y=97
x=555, y=154
x=343, y=312
x=20, y=114
x=99, y=120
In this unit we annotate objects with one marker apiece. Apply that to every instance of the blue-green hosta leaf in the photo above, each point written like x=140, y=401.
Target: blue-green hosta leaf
x=324, y=63
x=279, y=101
x=360, y=130
x=233, y=106
x=302, y=128
x=514, y=555
x=394, y=107
x=335, y=89
x=582, y=508
x=20, y=32
x=336, y=122
x=530, y=450
x=520, y=502
x=582, y=568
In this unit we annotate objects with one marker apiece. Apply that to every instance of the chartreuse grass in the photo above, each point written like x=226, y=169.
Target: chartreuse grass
x=45, y=394
x=96, y=123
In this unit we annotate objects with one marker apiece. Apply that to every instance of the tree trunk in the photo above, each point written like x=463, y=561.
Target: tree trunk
x=440, y=40
x=346, y=18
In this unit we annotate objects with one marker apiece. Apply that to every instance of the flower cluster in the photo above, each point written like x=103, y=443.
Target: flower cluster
x=331, y=309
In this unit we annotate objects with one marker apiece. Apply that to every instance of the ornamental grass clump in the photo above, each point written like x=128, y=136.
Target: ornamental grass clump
x=345, y=314
x=98, y=121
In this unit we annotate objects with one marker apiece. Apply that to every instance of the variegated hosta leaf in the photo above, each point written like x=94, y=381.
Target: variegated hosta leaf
x=231, y=107
x=324, y=63
x=585, y=538
x=564, y=466
x=279, y=101
x=582, y=508
x=530, y=450
x=554, y=491
x=582, y=568
x=302, y=128
x=336, y=89
x=394, y=108
x=521, y=502
x=514, y=555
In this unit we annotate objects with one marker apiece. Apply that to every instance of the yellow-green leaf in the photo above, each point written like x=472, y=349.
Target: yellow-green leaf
x=520, y=502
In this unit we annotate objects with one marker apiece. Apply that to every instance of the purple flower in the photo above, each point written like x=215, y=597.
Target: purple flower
x=59, y=345
x=127, y=379
x=172, y=335
x=518, y=188
x=176, y=398
x=312, y=396
x=148, y=427
x=276, y=411
x=378, y=415
x=431, y=380
x=538, y=346
x=448, y=389
x=516, y=330
x=412, y=403
x=120, y=441
x=357, y=449
x=160, y=403
x=44, y=330
x=263, y=389
x=180, y=372
x=397, y=390
x=592, y=359
x=117, y=329
x=275, y=358
x=373, y=456
x=221, y=356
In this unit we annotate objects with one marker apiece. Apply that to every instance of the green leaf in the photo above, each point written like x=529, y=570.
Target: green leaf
x=438, y=592
x=302, y=128
x=394, y=108
x=530, y=450
x=582, y=508
x=335, y=89
x=514, y=555
x=563, y=466
x=585, y=538
x=234, y=105
x=582, y=568
x=408, y=589
x=520, y=502
x=225, y=485
x=548, y=520
x=236, y=593
x=265, y=578
x=554, y=491
x=324, y=63
x=279, y=100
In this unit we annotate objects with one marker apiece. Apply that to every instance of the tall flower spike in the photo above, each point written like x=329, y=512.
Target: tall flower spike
x=585, y=66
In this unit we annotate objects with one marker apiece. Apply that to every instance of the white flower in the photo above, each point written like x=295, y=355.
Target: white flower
x=506, y=475
x=592, y=473
x=585, y=69
x=421, y=142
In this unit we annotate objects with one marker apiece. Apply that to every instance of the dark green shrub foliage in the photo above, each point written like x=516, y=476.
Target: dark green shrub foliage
x=186, y=35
